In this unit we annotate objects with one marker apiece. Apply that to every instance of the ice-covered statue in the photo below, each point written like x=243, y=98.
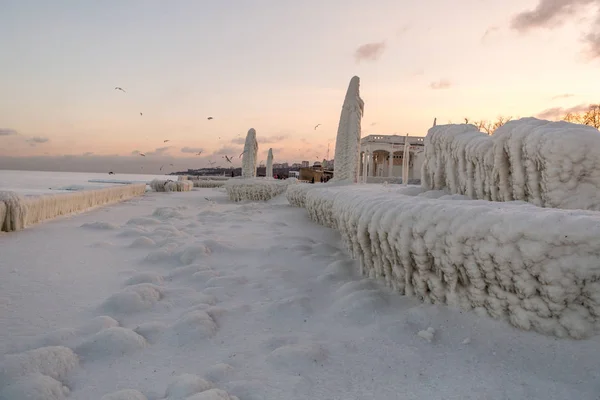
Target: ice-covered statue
x=269, y=172
x=347, y=144
x=250, y=155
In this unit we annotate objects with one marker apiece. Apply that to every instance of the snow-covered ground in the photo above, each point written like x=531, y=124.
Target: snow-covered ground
x=43, y=182
x=158, y=293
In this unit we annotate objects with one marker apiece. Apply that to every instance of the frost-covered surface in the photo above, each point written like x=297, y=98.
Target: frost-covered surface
x=549, y=164
x=269, y=171
x=257, y=189
x=506, y=260
x=250, y=155
x=20, y=212
x=347, y=143
x=256, y=300
x=208, y=183
x=159, y=185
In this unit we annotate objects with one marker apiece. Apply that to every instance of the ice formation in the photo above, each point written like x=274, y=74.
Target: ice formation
x=257, y=189
x=269, y=172
x=549, y=164
x=405, y=161
x=207, y=183
x=164, y=185
x=19, y=212
x=347, y=143
x=504, y=259
x=249, y=156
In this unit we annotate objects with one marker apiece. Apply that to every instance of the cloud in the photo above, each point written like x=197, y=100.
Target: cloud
x=563, y=96
x=552, y=13
x=369, y=51
x=135, y=153
x=87, y=154
x=227, y=151
x=238, y=140
x=560, y=112
x=37, y=140
x=441, y=84
x=261, y=139
x=192, y=150
x=159, y=151
x=7, y=132
x=489, y=31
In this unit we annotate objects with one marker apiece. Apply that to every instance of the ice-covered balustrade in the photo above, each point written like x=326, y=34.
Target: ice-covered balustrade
x=167, y=185
x=347, y=143
x=549, y=164
x=257, y=189
x=506, y=260
x=18, y=212
x=250, y=155
x=269, y=172
x=207, y=183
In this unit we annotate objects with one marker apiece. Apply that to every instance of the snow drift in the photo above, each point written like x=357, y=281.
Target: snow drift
x=506, y=260
x=165, y=185
x=19, y=212
x=257, y=189
x=549, y=164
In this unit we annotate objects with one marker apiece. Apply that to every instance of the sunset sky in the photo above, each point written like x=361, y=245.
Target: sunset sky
x=278, y=66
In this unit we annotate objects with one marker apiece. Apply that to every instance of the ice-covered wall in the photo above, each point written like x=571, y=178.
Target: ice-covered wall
x=506, y=260
x=347, y=143
x=257, y=189
x=21, y=212
x=250, y=155
x=549, y=164
x=166, y=185
x=207, y=183
x=269, y=172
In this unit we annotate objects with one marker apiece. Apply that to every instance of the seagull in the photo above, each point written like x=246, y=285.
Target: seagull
x=142, y=154
x=316, y=126
x=198, y=153
x=171, y=165
x=228, y=159
x=141, y=114
x=165, y=141
x=111, y=173
x=211, y=163
x=161, y=167
x=209, y=118
x=121, y=89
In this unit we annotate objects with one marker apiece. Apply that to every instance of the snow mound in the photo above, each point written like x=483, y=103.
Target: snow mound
x=298, y=358
x=504, y=259
x=98, y=225
x=194, y=326
x=133, y=299
x=151, y=331
x=213, y=394
x=340, y=270
x=205, y=183
x=189, y=254
x=549, y=164
x=219, y=372
x=167, y=185
x=144, y=221
x=255, y=189
x=167, y=212
x=125, y=394
x=143, y=242
x=34, y=386
x=111, y=342
x=54, y=361
x=145, y=277
x=185, y=385
x=427, y=334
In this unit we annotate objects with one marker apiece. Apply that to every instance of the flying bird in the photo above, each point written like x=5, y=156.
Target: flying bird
x=228, y=159
x=211, y=163
x=142, y=154
x=111, y=173
x=165, y=141
x=209, y=118
x=161, y=167
x=121, y=89
x=171, y=165
x=141, y=114
x=198, y=153
x=316, y=126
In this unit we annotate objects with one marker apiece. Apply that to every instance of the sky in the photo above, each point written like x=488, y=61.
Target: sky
x=278, y=66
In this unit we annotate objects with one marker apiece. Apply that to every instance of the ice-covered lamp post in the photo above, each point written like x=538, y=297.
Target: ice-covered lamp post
x=347, y=144
x=250, y=155
x=269, y=172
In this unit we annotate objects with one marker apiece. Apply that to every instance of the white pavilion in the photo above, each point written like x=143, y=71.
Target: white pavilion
x=381, y=157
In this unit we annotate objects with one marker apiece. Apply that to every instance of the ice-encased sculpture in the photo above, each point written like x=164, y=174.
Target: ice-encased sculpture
x=250, y=155
x=269, y=172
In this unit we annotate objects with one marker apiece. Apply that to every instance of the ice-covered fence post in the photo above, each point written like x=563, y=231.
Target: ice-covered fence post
x=347, y=144
x=405, y=161
x=269, y=172
x=249, y=157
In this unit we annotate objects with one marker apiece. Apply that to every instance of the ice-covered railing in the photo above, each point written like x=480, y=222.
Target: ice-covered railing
x=506, y=260
x=202, y=177
x=549, y=164
x=207, y=183
x=165, y=185
x=18, y=212
x=257, y=189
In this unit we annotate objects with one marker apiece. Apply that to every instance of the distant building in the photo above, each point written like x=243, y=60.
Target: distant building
x=296, y=165
x=284, y=165
x=305, y=164
x=381, y=157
